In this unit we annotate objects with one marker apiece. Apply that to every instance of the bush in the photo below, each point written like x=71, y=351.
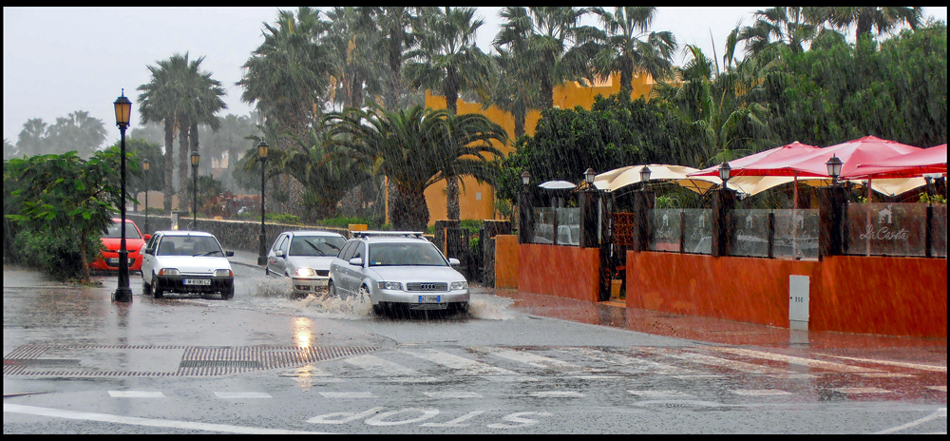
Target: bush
x=283, y=218
x=54, y=253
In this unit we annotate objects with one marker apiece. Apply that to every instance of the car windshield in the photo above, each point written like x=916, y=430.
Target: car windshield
x=189, y=246
x=316, y=245
x=403, y=254
x=130, y=231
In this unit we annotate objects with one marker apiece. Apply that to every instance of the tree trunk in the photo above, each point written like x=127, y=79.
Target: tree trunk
x=410, y=211
x=183, y=161
x=519, y=122
x=547, y=93
x=169, y=164
x=452, y=207
x=626, y=81
x=85, y=262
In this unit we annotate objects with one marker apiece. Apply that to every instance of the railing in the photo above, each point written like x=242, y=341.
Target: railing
x=686, y=230
x=896, y=229
x=566, y=221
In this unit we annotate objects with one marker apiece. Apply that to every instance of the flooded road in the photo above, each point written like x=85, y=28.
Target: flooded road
x=264, y=362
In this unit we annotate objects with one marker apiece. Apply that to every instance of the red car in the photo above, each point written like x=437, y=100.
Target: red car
x=109, y=261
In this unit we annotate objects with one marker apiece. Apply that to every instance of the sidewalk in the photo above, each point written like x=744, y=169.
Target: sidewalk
x=245, y=258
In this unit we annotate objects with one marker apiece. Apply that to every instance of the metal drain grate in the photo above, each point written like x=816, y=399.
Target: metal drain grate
x=195, y=360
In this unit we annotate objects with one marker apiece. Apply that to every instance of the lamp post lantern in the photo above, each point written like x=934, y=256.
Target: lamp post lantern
x=123, y=110
x=834, y=168
x=724, y=173
x=145, y=167
x=262, y=154
x=645, y=173
x=194, y=190
x=589, y=175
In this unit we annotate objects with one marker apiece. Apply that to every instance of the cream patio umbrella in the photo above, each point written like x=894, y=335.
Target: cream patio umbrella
x=616, y=179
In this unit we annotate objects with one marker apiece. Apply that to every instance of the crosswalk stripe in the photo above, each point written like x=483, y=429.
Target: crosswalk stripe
x=556, y=394
x=860, y=390
x=923, y=367
x=135, y=394
x=715, y=361
x=660, y=394
x=640, y=365
x=533, y=359
x=827, y=365
x=385, y=367
x=467, y=366
x=452, y=394
x=940, y=388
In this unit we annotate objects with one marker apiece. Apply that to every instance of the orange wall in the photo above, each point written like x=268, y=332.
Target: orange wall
x=873, y=295
x=507, y=261
x=561, y=271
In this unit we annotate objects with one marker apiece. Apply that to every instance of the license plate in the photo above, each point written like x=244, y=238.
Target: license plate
x=113, y=261
x=430, y=299
x=197, y=281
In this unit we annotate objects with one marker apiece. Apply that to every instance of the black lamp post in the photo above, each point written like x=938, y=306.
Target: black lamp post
x=645, y=173
x=834, y=169
x=524, y=210
x=194, y=190
x=123, y=111
x=262, y=154
x=145, y=167
x=724, y=173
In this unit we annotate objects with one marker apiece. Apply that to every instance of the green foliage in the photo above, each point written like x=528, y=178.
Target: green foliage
x=935, y=199
x=282, y=218
x=55, y=250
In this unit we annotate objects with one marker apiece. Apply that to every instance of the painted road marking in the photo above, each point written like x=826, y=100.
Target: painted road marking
x=467, y=366
x=556, y=394
x=384, y=367
x=347, y=394
x=640, y=365
x=939, y=388
x=660, y=394
x=860, y=390
x=531, y=359
x=715, y=361
x=135, y=394
x=760, y=392
x=886, y=375
x=940, y=413
x=229, y=395
x=136, y=421
x=827, y=365
x=452, y=394
x=923, y=367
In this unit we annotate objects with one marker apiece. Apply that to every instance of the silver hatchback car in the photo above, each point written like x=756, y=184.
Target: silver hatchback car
x=398, y=268
x=304, y=257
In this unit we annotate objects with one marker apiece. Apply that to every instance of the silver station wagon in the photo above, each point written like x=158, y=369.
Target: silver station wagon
x=398, y=268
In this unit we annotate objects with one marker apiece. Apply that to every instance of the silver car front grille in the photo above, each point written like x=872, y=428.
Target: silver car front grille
x=427, y=286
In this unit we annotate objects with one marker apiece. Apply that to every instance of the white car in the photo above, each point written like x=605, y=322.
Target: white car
x=186, y=262
x=304, y=257
x=398, y=268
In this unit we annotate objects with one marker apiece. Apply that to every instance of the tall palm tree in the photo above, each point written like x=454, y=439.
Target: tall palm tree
x=32, y=139
x=399, y=27
x=549, y=39
x=867, y=18
x=353, y=48
x=414, y=149
x=625, y=46
x=158, y=103
x=449, y=59
x=786, y=26
x=510, y=89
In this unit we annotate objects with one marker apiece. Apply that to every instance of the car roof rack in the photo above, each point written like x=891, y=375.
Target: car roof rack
x=364, y=233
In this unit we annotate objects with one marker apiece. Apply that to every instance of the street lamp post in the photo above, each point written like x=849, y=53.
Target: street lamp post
x=123, y=110
x=524, y=210
x=262, y=154
x=194, y=190
x=834, y=169
x=145, y=167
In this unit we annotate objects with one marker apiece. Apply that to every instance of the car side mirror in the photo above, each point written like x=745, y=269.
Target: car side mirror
x=279, y=253
x=148, y=236
x=356, y=261
x=454, y=262
x=229, y=253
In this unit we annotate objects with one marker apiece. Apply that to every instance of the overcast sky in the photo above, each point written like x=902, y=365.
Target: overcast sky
x=59, y=60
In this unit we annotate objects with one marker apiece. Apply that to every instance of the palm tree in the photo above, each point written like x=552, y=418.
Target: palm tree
x=32, y=139
x=785, y=26
x=448, y=59
x=621, y=48
x=549, y=40
x=510, y=88
x=158, y=102
x=867, y=18
x=398, y=25
x=720, y=106
x=414, y=149
x=353, y=49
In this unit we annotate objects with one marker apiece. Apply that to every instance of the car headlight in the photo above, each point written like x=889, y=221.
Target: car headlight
x=169, y=272
x=306, y=272
x=397, y=286
x=458, y=285
x=223, y=273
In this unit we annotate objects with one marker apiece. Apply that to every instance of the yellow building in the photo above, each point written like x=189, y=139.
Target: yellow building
x=477, y=201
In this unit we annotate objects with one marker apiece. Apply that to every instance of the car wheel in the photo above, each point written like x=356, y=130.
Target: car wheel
x=146, y=288
x=156, y=291
x=266, y=271
x=364, y=293
x=378, y=309
x=228, y=293
x=331, y=290
x=463, y=308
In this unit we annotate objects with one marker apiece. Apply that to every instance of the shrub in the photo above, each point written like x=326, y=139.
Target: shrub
x=54, y=253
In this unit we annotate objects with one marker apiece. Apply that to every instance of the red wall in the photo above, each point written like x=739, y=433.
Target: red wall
x=875, y=295
x=561, y=271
